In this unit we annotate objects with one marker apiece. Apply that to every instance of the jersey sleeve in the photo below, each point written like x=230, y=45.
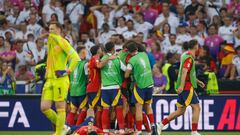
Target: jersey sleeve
x=188, y=64
x=67, y=48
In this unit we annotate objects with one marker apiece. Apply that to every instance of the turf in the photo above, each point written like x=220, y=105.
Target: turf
x=164, y=133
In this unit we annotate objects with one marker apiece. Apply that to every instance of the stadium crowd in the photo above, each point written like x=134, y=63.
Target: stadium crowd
x=162, y=26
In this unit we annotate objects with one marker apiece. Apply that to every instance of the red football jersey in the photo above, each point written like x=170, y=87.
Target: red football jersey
x=94, y=75
x=84, y=130
x=188, y=65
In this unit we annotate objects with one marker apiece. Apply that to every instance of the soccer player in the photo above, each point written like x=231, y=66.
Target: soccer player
x=78, y=84
x=186, y=83
x=57, y=82
x=94, y=82
x=111, y=78
x=139, y=66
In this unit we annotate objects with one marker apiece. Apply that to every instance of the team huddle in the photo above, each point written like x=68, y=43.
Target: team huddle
x=112, y=92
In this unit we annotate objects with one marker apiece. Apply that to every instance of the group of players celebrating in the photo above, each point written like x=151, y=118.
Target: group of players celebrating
x=112, y=87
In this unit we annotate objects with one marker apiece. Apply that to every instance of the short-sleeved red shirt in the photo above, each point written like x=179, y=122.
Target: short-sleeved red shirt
x=188, y=65
x=94, y=75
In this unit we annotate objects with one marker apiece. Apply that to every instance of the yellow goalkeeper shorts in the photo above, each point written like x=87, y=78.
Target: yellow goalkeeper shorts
x=56, y=89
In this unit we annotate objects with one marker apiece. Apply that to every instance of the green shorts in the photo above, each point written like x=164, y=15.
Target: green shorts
x=56, y=89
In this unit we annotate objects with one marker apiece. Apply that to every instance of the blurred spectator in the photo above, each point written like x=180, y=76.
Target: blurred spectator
x=204, y=55
x=213, y=41
x=216, y=20
x=33, y=27
x=236, y=62
x=70, y=33
x=7, y=80
x=160, y=80
x=20, y=55
x=130, y=31
x=8, y=56
x=106, y=15
x=142, y=26
x=149, y=13
x=15, y=18
x=236, y=34
x=226, y=63
x=192, y=8
x=182, y=35
x=24, y=14
x=213, y=7
x=75, y=11
x=180, y=13
x=124, y=12
x=173, y=47
x=105, y=35
x=157, y=53
x=40, y=51
x=48, y=10
x=121, y=25
x=194, y=35
x=23, y=74
x=169, y=71
x=167, y=17
x=226, y=31
x=3, y=45
x=119, y=42
x=202, y=29
x=87, y=43
x=166, y=30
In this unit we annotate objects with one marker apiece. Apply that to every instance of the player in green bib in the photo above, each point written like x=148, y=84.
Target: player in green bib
x=111, y=79
x=78, y=83
x=140, y=68
x=186, y=83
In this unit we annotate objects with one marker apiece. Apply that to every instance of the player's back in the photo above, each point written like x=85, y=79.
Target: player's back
x=94, y=79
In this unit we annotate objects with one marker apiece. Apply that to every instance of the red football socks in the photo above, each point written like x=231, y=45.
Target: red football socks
x=99, y=119
x=120, y=118
x=146, y=123
x=70, y=118
x=105, y=119
x=165, y=121
x=151, y=118
x=81, y=117
x=130, y=120
x=194, y=126
x=139, y=125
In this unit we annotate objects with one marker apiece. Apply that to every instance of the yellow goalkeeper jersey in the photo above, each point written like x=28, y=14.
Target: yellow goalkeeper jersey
x=59, y=53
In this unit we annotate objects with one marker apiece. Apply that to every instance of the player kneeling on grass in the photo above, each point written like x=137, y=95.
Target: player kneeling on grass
x=186, y=83
x=111, y=78
x=139, y=66
x=57, y=81
x=78, y=84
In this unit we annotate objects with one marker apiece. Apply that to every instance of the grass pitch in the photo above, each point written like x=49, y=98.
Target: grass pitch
x=163, y=133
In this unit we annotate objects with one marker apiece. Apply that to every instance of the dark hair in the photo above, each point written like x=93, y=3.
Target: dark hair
x=237, y=48
x=80, y=48
x=223, y=9
x=169, y=55
x=58, y=25
x=130, y=21
x=109, y=46
x=94, y=49
x=141, y=14
x=185, y=45
x=121, y=37
x=54, y=14
x=192, y=44
x=92, y=133
x=131, y=46
x=122, y=18
x=212, y=25
x=165, y=1
x=141, y=48
x=206, y=48
x=168, y=26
